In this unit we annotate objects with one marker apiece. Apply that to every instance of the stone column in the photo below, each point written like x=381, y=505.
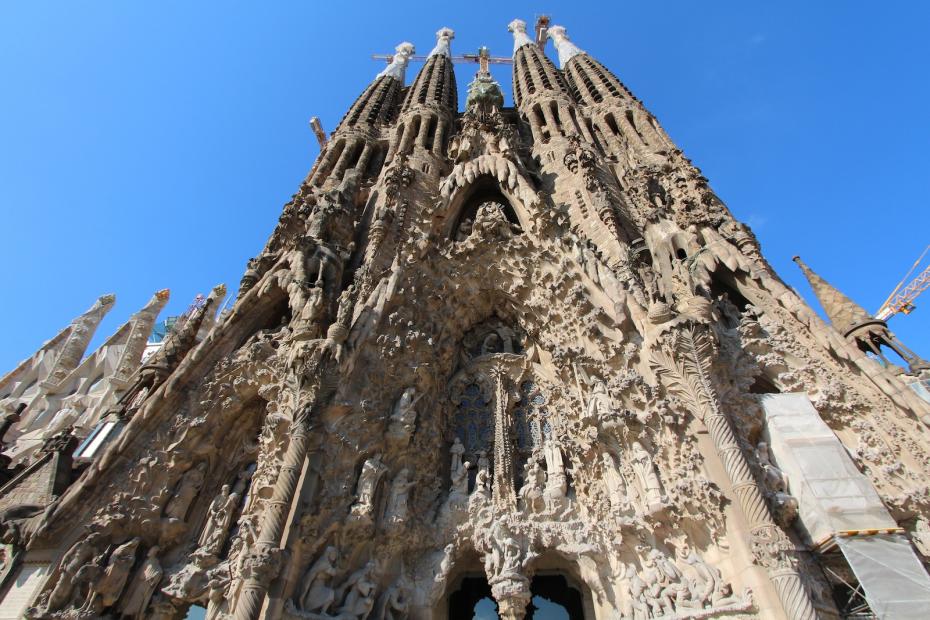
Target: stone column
x=503, y=491
x=425, y=121
x=439, y=138
x=364, y=158
x=264, y=559
x=682, y=357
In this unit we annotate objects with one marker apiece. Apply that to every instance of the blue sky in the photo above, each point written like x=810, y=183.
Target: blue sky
x=151, y=145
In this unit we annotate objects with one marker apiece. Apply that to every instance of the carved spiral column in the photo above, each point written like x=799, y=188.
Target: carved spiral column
x=683, y=359
x=264, y=559
x=504, y=495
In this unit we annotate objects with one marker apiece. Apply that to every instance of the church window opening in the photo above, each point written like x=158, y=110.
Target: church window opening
x=473, y=421
x=531, y=418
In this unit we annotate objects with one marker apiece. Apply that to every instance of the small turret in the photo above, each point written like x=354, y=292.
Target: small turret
x=857, y=325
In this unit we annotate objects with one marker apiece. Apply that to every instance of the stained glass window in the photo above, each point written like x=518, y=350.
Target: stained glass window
x=473, y=423
x=531, y=418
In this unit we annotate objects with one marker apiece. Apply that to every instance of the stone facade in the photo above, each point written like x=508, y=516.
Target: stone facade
x=507, y=352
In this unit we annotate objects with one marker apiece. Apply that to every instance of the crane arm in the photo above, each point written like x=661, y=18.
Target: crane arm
x=903, y=296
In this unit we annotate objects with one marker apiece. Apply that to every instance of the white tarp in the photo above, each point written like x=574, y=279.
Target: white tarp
x=894, y=580
x=833, y=496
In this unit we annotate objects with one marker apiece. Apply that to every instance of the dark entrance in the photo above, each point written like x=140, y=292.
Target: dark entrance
x=472, y=600
x=553, y=599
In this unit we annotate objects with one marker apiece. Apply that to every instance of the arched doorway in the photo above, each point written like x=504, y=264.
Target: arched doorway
x=472, y=601
x=553, y=598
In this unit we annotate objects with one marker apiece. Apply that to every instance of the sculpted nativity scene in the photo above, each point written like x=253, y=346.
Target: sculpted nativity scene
x=521, y=355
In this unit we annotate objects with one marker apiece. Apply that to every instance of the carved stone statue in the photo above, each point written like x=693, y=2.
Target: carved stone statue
x=185, y=492
x=646, y=475
x=459, y=488
x=600, y=405
x=76, y=557
x=775, y=478
x=219, y=517
x=107, y=590
x=396, y=602
x=316, y=593
x=404, y=416
x=143, y=585
x=482, y=486
x=368, y=481
x=360, y=596
x=397, y=503
x=484, y=463
x=784, y=505
x=533, y=486
x=556, y=491
x=616, y=486
x=457, y=451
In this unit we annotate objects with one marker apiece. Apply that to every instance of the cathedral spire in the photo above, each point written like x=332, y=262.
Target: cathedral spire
x=857, y=325
x=181, y=339
x=82, y=330
x=397, y=69
x=141, y=324
x=427, y=113
x=350, y=149
x=567, y=50
x=520, y=38
x=844, y=313
x=443, y=38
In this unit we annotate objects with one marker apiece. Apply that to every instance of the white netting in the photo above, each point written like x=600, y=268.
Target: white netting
x=895, y=582
x=832, y=495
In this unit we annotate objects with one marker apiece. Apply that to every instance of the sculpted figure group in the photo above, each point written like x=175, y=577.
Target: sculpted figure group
x=355, y=597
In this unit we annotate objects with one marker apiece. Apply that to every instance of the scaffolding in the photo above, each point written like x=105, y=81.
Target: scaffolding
x=839, y=509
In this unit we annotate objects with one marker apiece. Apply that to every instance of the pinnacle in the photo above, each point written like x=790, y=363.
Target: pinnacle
x=844, y=313
x=567, y=50
x=520, y=38
x=398, y=67
x=444, y=37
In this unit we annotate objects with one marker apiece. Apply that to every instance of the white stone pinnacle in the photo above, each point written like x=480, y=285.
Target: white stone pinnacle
x=398, y=67
x=567, y=50
x=443, y=38
x=520, y=38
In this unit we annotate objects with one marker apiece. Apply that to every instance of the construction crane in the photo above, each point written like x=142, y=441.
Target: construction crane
x=903, y=296
x=483, y=57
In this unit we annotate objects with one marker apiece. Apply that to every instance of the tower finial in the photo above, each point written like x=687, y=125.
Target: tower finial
x=844, y=313
x=567, y=49
x=398, y=67
x=520, y=38
x=444, y=37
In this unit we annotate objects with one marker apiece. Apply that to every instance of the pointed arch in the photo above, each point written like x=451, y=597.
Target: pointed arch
x=491, y=174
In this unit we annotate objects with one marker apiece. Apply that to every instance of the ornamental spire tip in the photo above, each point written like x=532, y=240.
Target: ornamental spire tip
x=567, y=50
x=520, y=38
x=444, y=37
x=398, y=67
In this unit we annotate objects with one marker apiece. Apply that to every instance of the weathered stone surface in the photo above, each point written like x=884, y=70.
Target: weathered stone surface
x=502, y=344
